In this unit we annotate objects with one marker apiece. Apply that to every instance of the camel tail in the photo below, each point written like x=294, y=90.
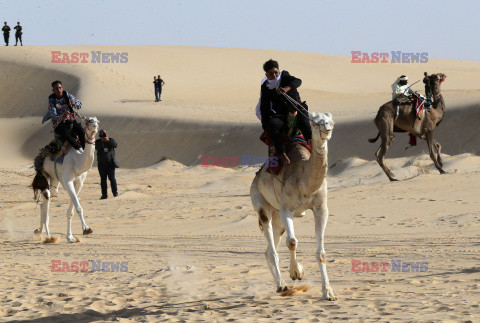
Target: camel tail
x=372, y=140
x=40, y=183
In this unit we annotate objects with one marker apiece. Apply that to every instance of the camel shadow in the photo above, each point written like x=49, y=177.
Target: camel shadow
x=169, y=309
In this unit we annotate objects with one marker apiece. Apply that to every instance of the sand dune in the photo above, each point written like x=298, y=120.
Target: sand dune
x=189, y=233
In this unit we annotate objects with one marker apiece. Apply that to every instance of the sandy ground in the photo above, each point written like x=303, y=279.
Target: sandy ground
x=188, y=233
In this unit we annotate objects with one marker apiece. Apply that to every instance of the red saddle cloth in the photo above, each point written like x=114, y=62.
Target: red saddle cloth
x=420, y=105
x=275, y=163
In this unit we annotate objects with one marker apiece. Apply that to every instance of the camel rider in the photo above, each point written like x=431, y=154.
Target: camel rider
x=61, y=105
x=275, y=109
x=403, y=94
x=401, y=91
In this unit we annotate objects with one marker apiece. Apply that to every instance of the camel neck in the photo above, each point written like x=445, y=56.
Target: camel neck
x=438, y=101
x=317, y=165
x=88, y=155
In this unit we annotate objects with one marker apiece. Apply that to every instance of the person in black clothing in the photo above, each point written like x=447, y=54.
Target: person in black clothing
x=160, y=84
x=18, y=34
x=105, y=147
x=156, y=87
x=275, y=108
x=6, y=33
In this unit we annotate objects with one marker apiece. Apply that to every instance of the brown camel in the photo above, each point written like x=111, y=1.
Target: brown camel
x=391, y=119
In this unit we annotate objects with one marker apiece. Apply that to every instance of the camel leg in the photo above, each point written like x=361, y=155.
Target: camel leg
x=272, y=235
x=321, y=217
x=380, y=154
x=70, y=237
x=70, y=188
x=45, y=208
x=438, y=147
x=296, y=269
x=78, y=184
x=430, y=144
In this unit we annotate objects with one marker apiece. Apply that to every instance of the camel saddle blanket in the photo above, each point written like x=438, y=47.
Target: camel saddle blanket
x=62, y=153
x=274, y=162
x=419, y=107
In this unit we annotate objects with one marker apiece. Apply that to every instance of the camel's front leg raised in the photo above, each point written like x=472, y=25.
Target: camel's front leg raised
x=321, y=218
x=296, y=269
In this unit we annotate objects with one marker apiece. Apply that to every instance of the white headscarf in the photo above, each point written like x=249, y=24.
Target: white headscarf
x=275, y=83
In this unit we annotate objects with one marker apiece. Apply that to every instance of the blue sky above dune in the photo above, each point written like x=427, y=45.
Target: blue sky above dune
x=444, y=29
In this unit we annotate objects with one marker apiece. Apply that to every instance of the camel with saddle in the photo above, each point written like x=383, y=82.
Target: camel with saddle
x=299, y=186
x=393, y=117
x=71, y=175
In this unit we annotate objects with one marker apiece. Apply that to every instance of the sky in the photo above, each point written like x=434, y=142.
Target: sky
x=443, y=29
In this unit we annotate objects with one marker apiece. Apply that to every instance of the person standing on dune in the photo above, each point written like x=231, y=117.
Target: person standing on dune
x=155, y=85
x=18, y=34
x=6, y=33
x=160, y=84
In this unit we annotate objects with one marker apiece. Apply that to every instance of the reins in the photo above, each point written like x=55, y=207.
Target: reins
x=297, y=106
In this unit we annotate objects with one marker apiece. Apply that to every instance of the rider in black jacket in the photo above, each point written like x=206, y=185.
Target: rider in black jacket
x=275, y=108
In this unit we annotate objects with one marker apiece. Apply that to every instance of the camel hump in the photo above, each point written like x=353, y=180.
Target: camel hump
x=298, y=153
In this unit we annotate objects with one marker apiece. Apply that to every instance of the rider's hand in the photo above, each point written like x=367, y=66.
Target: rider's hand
x=284, y=89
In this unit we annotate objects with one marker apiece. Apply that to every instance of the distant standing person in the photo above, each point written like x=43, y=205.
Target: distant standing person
x=18, y=34
x=6, y=33
x=155, y=84
x=105, y=147
x=160, y=84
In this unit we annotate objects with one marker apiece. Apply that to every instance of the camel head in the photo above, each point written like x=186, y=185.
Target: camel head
x=435, y=81
x=91, y=126
x=322, y=125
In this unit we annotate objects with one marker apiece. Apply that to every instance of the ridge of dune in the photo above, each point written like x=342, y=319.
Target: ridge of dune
x=202, y=81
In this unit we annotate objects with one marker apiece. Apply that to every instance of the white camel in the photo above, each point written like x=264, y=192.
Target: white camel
x=71, y=174
x=299, y=186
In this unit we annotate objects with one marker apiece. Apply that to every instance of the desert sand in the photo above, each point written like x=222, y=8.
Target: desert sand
x=189, y=234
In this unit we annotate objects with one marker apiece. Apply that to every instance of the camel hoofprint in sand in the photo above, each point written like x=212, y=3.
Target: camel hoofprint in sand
x=299, y=186
x=71, y=174
x=388, y=120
